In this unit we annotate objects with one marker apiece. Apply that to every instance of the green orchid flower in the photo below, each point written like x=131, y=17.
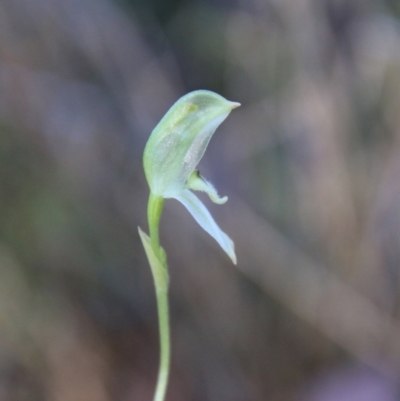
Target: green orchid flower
x=171, y=155
x=175, y=148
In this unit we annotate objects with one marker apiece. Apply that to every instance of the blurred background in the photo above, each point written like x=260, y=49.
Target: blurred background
x=311, y=165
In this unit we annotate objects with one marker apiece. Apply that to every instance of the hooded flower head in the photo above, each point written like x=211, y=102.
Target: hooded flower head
x=174, y=149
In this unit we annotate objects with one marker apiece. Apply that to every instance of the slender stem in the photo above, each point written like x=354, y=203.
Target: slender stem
x=163, y=319
x=154, y=211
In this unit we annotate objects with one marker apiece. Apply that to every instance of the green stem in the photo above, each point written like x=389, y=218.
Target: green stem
x=163, y=319
x=154, y=211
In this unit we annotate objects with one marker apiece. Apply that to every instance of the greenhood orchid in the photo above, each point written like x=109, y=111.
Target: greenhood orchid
x=174, y=149
x=171, y=155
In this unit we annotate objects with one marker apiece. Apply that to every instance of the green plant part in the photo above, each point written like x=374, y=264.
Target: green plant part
x=172, y=153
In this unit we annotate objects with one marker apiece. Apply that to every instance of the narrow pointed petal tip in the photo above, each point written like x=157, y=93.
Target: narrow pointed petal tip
x=232, y=254
x=233, y=258
x=234, y=105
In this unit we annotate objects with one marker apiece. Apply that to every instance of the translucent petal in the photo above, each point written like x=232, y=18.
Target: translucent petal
x=204, y=218
x=180, y=139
